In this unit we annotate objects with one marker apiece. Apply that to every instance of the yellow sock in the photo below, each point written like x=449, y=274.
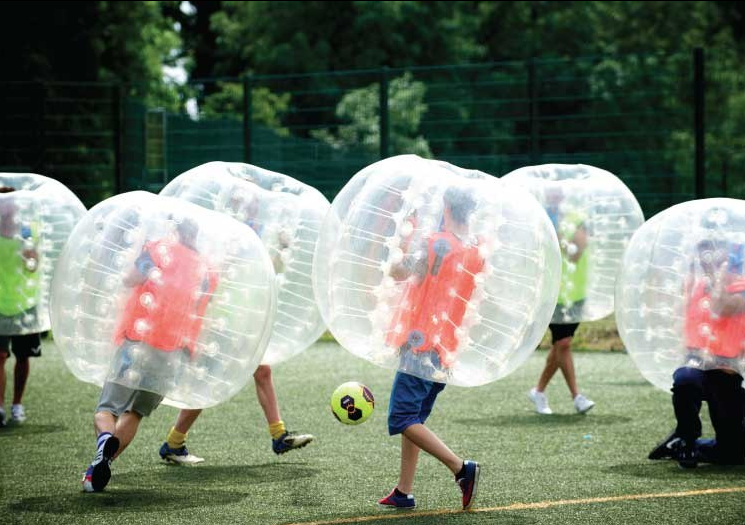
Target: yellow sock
x=277, y=429
x=175, y=438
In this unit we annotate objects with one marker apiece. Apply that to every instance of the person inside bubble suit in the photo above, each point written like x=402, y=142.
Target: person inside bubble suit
x=714, y=337
x=246, y=209
x=572, y=232
x=424, y=329
x=19, y=291
x=155, y=336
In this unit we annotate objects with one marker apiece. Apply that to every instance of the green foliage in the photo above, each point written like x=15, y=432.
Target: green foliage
x=359, y=109
x=282, y=37
x=267, y=108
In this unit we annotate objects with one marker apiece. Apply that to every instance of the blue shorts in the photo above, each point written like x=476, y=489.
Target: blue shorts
x=412, y=399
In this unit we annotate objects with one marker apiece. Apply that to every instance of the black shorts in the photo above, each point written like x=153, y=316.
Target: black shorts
x=28, y=345
x=562, y=331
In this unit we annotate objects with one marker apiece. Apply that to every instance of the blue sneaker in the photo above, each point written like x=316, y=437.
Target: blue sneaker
x=98, y=473
x=179, y=456
x=402, y=501
x=290, y=441
x=469, y=482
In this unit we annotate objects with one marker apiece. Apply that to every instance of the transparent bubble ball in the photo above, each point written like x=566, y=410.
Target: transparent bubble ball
x=446, y=274
x=287, y=215
x=594, y=215
x=680, y=295
x=35, y=220
x=159, y=294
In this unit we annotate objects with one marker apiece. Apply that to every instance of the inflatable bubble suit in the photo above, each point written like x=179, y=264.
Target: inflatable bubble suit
x=286, y=214
x=158, y=294
x=443, y=273
x=680, y=292
x=594, y=215
x=35, y=221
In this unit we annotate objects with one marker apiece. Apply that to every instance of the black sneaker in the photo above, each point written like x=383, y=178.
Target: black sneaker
x=665, y=449
x=686, y=454
x=469, y=483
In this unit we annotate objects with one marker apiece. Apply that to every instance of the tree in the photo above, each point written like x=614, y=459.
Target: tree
x=360, y=111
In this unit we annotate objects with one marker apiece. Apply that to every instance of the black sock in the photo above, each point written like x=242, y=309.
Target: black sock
x=462, y=472
x=399, y=493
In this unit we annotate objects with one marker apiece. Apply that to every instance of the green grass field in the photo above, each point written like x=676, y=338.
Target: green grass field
x=554, y=462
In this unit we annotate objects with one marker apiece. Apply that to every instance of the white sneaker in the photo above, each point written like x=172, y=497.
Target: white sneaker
x=582, y=404
x=540, y=400
x=179, y=456
x=2, y=418
x=17, y=415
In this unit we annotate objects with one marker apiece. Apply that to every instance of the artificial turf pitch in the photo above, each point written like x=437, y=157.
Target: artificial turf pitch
x=567, y=468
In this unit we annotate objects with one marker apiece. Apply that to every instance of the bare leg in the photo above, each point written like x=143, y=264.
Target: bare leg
x=566, y=363
x=422, y=437
x=104, y=422
x=19, y=378
x=409, y=458
x=559, y=357
x=126, y=428
x=3, y=358
x=266, y=394
x=185, y=419
x=552, y=365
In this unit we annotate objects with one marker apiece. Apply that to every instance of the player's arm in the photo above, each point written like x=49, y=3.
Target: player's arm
x=580, y=241
x=29, y=254
x=142, y=267
x=728, y=294
x=415, y=263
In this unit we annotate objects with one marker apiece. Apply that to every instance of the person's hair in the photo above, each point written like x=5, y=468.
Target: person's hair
x=6, y=189
x=460, y=202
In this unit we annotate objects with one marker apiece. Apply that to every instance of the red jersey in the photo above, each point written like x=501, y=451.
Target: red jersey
x=432, y=310
x=166, y=310
x=723, y=336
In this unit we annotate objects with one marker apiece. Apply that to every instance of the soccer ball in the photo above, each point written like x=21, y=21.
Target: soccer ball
x=352, y=403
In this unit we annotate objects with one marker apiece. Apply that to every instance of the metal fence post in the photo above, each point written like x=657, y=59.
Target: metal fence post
x=698, y=122
x=384, y=126
x=41, y=142
x=118, y=123
x=247, y=117
x=533, y=110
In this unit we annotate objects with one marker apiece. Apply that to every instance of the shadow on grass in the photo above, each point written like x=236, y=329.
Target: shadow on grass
x=125, y=500
x=630, y=382
x=222, y=474
x=553, y=420
x=669, y=469
x=28, y=429
x=410, y=518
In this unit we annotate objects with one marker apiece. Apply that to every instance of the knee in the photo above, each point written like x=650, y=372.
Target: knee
x=563, y=346
x=688, y=378
x=263, y=374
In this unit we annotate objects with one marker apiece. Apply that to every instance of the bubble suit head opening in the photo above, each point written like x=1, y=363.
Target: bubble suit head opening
x=680, y=292
x=443, y=273
x=594, y=215
x=286, y=214
x=36, y=216
x=158, y=294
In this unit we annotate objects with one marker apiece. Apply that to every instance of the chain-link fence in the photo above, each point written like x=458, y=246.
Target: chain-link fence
x=640, y=117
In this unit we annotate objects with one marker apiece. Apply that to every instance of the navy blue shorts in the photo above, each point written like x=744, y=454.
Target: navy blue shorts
x=412, y=399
